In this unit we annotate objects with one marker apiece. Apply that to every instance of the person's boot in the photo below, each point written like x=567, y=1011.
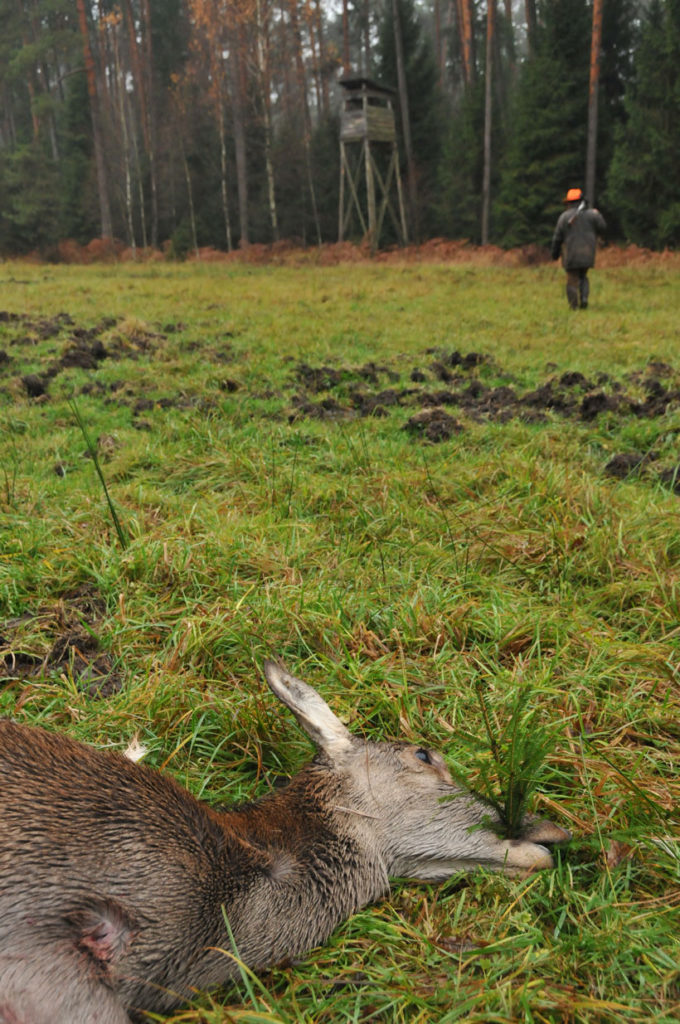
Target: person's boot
x=572, y=296
x=584, y=289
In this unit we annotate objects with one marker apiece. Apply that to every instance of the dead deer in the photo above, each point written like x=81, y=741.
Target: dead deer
x=116, y=884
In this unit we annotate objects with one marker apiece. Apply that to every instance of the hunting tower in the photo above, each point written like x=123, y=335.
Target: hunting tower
x=368, y=141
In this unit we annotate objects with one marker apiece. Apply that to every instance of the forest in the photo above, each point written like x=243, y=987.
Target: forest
x=185, y=124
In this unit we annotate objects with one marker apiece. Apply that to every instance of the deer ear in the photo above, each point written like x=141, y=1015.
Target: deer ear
x=323, y=727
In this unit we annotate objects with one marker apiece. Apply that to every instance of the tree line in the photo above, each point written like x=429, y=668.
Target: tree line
x=195, y=123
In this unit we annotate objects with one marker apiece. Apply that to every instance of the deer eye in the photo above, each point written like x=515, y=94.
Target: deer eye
x=423, y=755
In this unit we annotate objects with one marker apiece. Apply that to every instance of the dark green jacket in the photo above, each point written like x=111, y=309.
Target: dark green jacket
x=576, y=236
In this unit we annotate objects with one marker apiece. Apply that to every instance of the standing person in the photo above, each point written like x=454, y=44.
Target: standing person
x=576, y=238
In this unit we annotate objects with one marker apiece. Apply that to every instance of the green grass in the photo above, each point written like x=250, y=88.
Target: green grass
x=390, y=573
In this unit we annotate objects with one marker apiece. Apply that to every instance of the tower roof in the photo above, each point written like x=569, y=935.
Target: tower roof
x=352, y=82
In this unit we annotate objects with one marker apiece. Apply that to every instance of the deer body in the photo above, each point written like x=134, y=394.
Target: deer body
x=115, y=881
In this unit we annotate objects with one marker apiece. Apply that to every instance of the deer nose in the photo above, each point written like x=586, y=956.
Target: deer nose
x=546, y=833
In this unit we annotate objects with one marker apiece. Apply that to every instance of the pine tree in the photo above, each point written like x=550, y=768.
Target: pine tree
x=423, y=97
x=643, y=184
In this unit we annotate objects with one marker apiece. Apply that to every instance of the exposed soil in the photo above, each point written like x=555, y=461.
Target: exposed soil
x=88, y=348
x=445, y=392
x=60, y=640
x=627, y=463
x=80, y=347
x=332, y=393
x=642, y=394
x=434, y=424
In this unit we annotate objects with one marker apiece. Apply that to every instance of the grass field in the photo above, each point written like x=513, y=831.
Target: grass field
x=249, y=423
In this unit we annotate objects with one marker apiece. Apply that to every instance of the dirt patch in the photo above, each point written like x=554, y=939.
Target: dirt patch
x=340, y=393
x=35, y=385
x=433, y=425
x=110, y=340
x=319, y=378
x=327, y=409
x=670, y=477
x=643, y=465
x=445, y=392
x=627, y=463
x=571, y=394
x=61, y=640
x=82, y=347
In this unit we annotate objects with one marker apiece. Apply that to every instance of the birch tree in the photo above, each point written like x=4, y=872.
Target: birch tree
x=263, y=81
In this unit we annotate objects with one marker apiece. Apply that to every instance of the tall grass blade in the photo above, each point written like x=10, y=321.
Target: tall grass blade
x=92, y=449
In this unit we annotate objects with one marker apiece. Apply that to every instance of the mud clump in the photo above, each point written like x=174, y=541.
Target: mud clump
x=571, y=394
x=598, y=402
x=574, y=379
x=318, y=378
x=626, y=463
x=83, y=348
x=324, y=378
x=643, y=465
x=84, y=352
x=367, y=404
x=34, y=385
x=481, y=397
x=670, y=477
x=433, y=424
x=327, y=409
x=550, y=396
x=371, y=373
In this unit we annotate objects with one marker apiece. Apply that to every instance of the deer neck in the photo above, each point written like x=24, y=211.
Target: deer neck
x=297, y=863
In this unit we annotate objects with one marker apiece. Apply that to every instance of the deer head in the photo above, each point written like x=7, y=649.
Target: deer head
x=402, y=800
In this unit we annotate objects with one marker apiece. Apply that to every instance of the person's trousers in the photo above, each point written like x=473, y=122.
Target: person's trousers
x=578, y=288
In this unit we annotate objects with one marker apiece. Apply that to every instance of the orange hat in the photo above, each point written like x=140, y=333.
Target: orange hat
x=573, y=195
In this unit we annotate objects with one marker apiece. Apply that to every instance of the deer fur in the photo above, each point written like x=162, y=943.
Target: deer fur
x=115, y=882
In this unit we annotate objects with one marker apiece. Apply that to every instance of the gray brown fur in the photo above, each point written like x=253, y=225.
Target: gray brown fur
x=115, y=881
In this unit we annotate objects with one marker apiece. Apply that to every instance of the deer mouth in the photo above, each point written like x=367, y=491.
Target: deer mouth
x=519, y=860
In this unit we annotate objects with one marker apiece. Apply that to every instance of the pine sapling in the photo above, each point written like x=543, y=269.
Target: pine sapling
x=515, y=750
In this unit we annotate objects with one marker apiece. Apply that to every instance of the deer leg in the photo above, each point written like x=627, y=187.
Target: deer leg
x=39, y=988
x=65, y=971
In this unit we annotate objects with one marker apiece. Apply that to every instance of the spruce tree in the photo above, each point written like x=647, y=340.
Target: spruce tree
x=644, y=183
x=459, y=179
x=546, y=152
x=77, y=193
x=29, y=182
x=619, y=38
